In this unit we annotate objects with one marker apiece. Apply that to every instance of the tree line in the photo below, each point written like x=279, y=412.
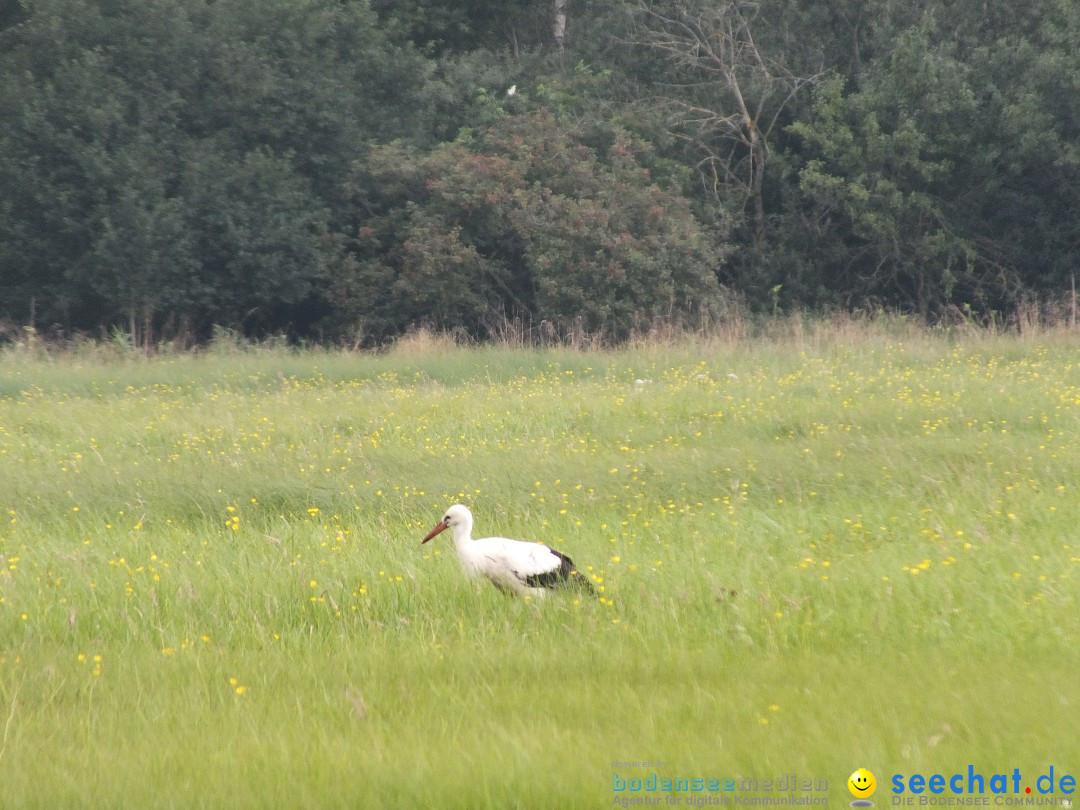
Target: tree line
x=350, y=169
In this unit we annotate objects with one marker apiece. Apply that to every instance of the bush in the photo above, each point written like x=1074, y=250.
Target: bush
x=524, y=220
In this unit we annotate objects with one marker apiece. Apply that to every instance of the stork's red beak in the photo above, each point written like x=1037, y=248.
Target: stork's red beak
x=438, y=528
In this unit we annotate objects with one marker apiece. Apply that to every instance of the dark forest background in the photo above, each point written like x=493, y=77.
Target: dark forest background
x=347, y=170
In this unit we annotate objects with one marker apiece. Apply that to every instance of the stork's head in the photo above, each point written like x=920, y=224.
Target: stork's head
x=456, y=515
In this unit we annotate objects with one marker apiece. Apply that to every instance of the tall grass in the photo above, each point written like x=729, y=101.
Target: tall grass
x=816, y=551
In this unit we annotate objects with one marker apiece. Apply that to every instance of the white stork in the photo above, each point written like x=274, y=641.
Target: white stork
x=512, y=565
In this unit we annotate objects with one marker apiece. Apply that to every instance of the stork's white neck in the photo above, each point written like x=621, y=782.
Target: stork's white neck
x=466, y=546
x=463, y=532
x=459, y=521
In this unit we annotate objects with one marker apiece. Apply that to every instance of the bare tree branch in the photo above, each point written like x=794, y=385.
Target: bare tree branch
x=737, y=96
x=558, y=22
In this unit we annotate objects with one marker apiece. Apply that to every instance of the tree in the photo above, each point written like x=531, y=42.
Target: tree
x=726, y=95
x=171, y=162
x=943, y=177
x=1026, y=161
x=514, y=26
x=523, y=221
x=888, y=156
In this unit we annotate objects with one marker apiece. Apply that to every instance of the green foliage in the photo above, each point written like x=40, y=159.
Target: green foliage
x=890, y=159
x=168, y=166
x=175, y=162
x=472, y=25
x=523, y=220
x=930, y=183
x=1028, y=155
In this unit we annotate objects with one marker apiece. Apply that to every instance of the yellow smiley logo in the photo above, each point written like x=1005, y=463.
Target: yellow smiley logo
x=862, y=784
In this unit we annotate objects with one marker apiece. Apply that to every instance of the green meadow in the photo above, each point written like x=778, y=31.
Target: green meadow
x=813, y=552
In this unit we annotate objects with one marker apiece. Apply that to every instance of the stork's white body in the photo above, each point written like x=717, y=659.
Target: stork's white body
x=512, y=565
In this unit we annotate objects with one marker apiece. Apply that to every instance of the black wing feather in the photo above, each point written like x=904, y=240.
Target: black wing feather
x=565, y=574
